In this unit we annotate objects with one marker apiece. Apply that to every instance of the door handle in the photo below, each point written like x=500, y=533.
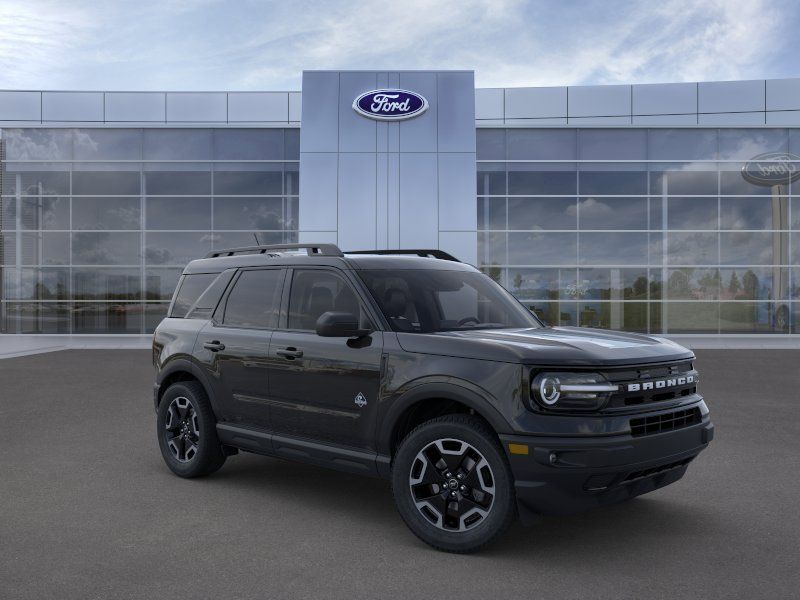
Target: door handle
x=290, y=353
x=214, y=346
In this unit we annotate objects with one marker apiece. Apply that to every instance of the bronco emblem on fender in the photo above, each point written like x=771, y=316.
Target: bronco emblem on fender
x=361, y=401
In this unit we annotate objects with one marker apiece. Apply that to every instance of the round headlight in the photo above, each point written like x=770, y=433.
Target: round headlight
x=549, y=390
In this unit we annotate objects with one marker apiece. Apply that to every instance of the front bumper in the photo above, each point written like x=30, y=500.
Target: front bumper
x=563, y=475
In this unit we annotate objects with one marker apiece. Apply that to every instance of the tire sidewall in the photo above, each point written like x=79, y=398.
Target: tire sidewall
x=503, y=509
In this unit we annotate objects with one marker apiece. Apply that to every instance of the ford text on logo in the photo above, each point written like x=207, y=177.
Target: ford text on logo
x=661, y=383
x=772, y=168
x=390, y=105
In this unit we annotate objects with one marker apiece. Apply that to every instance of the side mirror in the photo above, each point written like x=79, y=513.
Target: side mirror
x=339, y=324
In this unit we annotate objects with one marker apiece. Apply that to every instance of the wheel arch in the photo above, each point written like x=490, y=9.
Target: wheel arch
x=181, y=369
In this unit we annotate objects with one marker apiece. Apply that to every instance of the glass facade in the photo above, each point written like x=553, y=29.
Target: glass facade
x=97, y=224
x=648, y=230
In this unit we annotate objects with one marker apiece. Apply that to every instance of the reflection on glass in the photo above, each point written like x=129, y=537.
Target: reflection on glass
x=523, y=182
x=492, y=248
x=249, y=213
x=543, y=284
x=627, y=316
x=248, y=144
x=32, y=181
x=612, y=182
x=491, y=144
x=492, y=214
x=542, y=213
x=178, y=183
x=542, y=144
x=539, y=248
x=105, y=213
x=691, y=317
x=754, y=213
x=612, y=213
x=752, y=247
x=750, y=317
x=613, y=249
x=107, y=144
x=107, y=317
x=177, y=144
x=154, y=313
x=45, y=248
x=105, y=248
x=176, y=248
x=694, y=248
x=692, y=213
x=744, y=144
x=613, y=284
x=693, y=284
x=45, y=212
x=36, y=317
x=38, y=144
x=35, y=284
x=106, y=284
x=491, y=179
x=178, y=213
x=683, y=180
x=161, y=283
x=118, y=183
x=249, y=182
x=682, y=144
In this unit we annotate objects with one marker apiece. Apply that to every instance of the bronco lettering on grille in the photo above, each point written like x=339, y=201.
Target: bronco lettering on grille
x=660, y=383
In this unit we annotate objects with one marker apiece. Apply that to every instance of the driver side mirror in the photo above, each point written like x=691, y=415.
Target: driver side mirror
x=340, y=324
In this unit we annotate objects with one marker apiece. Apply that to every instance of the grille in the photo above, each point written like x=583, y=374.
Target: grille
x=665, y=422
x=651, y=374
x=656, y=470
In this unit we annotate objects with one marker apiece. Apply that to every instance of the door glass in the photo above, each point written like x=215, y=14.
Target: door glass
x=315, y=292
x=253, y=301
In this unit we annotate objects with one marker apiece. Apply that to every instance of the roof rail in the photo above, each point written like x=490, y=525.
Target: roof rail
x=424, y=253
x=312, y=249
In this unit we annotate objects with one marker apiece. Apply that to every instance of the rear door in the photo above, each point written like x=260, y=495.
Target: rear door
x=324, y=389
x=233, y=346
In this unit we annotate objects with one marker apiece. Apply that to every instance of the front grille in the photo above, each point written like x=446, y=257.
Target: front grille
x=656, y=470
x=651, y=377
x=665, y=422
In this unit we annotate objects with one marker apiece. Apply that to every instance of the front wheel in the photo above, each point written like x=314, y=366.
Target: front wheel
x=186, y=429
x=452, y=484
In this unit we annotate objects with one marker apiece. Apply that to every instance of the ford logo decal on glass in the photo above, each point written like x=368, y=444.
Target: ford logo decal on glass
x=772, y=168
x=390, y=105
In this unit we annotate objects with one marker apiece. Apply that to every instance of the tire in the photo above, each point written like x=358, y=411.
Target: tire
x=464, y=503
x=186, y=430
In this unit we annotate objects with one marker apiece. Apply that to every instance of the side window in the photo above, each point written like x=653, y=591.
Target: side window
x=189, y=291
x=254, y=300
x=315, y=292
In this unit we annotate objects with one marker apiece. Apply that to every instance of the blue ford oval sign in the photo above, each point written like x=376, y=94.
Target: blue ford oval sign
x=772, y=168
x=390, y=105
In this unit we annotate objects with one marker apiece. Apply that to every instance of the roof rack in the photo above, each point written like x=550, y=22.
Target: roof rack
x=312, y=249
x=424, y=253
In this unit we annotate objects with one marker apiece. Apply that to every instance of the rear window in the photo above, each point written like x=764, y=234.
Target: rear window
x=189, y=290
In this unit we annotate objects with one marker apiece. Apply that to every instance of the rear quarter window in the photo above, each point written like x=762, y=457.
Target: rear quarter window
x=189, y=290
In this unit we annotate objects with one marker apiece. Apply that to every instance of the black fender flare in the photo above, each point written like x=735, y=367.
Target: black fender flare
x=186, y=365
x=448, y=389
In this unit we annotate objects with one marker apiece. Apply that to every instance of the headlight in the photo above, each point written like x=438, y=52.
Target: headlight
x=571, y=391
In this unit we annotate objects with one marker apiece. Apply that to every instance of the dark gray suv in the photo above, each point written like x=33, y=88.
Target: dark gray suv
x=412, y=366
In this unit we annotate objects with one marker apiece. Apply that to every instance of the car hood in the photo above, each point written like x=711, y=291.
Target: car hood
x=568, y=346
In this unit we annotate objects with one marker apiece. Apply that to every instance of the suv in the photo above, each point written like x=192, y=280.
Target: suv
x=412, y=366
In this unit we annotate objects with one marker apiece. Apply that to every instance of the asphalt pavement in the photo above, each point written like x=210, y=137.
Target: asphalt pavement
x=88, y=509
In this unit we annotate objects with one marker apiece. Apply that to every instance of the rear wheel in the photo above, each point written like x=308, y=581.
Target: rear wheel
x=452, y=484
x=187, y=434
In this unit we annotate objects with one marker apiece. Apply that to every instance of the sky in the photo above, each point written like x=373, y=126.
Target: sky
x=260, y=45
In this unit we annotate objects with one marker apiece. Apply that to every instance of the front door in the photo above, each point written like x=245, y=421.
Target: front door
x=234, y=346
x=324, y=389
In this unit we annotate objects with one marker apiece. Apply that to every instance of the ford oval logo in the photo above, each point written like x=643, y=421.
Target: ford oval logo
x=772, y=168
x=390, y=105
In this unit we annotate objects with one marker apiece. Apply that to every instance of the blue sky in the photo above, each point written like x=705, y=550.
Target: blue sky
x=249, y=45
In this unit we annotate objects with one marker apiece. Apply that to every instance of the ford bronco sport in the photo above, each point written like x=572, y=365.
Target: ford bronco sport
x=412, y=366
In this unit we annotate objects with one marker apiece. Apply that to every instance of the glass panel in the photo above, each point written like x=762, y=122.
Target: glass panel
x=316, y=292
x=8, y=248
x=291, y=179
x=178, y=183
x=34, y=317
x=612, y=213
x=45, y=212
x=191, y=289
x=542, y=284
x=492, y=213
x=692, y=248
x=693, y=284
x=177, y=144
x=491, y=144
x=612, y=284
x=35, y=181
x=747, y=143
x=794, y=290
x=612, y=144
x=683, y=180
x=492, y=248
x=754, y=213
x=154, y=313
x=107, y=317
x=691, y=317
x=224, y=239
x=612, y=249
x=733, y=182
x=248, y=213
x=692, y=213
x=542, y=144
x=755, y=248
x=103, y=248
x=682, y=144
x=291, y=141
x=755, y=283
x=249, y=180
x=542, y=213
x=536, y=248
x=106, y=284
x=8, y=214
x=35, y=284
x=795, y=213
x=612, y=182
x=176, y=248
x=751, y=317
x=45, y=248
x=160, y=284
x=38, y=144
x=178, y=213
x=254, y=300
x=108, y=144
x=248, y=144
x=117, y=183
x=106, y=213
x=626, y=316
x=491, y=179
x=542, y=180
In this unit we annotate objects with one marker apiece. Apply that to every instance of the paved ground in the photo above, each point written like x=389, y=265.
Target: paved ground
x=88, y=510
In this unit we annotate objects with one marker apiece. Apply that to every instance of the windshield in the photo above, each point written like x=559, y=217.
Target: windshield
x=426, y=301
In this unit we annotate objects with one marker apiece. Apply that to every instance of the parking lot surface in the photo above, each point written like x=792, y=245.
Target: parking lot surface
x=88, y=509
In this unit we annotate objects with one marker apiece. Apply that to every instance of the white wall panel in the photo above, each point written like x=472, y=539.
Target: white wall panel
x=599, y=101
x=536, y=103
x=72, y=106
x=250, y=107
x=357, y=201
x=489, y=103
x=664, y=98
x=20, y=106
x=783, y=94
x=136, y=107
x=461, y=244
x=318, y=189
x=418, y=200
x=730, y=96
x=457, y=204
x=197, y=107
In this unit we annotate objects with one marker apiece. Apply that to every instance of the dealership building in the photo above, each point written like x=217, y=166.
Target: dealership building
x=663, y=208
